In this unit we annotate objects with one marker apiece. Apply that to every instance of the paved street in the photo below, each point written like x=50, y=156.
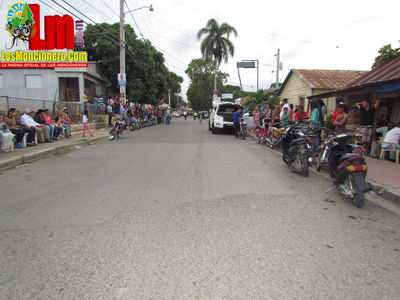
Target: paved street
x=175, y=212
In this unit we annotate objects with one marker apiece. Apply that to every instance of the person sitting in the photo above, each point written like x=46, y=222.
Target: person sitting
x=55, y=130
x=32, y=128
x=6, y=137
x=15, y=129
x=392, y=137
x=60, y=122
x=381, y=131
x=39, y=118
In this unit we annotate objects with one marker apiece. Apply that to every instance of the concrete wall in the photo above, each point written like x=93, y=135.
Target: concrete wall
x=14, y=84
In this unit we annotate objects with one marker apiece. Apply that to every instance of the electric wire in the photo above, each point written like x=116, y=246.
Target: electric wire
x=94, y=7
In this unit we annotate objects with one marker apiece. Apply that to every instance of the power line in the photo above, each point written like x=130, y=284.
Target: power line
x=134, y=19
x=98, y=10
x=110, y=8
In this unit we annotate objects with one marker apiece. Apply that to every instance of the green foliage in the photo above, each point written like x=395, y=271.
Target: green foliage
x=148, y=79
x=259, y=98
x=232, y=89
x=200, y=72
x=328, y=120
x=385, y=53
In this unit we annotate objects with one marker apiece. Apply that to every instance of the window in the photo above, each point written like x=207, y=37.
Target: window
x=33, y=81
x=1, y=81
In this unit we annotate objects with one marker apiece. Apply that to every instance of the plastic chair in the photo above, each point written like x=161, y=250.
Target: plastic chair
x=390, y=147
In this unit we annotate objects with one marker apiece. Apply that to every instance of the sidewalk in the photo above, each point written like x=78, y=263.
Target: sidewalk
x=20, y=156
x=383, y=175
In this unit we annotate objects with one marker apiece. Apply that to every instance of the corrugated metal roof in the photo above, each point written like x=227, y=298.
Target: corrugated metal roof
x=328, y=79
x=387, y=71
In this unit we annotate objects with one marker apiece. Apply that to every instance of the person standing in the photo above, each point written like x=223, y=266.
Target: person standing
x=168, y=116
x=110, y=113
x=159, y=115
x=256, y=118
x=367, y=120
x=85, y=121
x=300, y=115
x=185, y=114
x=236, y=121
x=341, y=119
x=284, y=103
x=316, y=124
x=285, y=117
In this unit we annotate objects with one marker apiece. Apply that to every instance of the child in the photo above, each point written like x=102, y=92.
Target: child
x=6, y=137
x=85, y=123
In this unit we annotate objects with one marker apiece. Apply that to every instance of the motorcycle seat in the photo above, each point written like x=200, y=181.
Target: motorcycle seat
x=297, y=141
x=349, y=156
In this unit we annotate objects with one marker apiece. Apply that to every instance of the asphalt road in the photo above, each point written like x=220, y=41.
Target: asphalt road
x=175, y=212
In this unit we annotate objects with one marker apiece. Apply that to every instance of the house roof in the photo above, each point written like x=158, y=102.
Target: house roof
x=324, y=79
x=386, y=71
x=385, y=75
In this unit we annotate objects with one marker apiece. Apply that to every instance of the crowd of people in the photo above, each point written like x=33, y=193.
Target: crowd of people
x=33, y=128
x=283, y=114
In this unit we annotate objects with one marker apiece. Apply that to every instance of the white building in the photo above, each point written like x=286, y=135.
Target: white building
x=30, y=87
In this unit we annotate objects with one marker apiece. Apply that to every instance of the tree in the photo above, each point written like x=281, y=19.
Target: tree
x=200, y=73
x=385, y=54
x=216, y=44
x=148, y=79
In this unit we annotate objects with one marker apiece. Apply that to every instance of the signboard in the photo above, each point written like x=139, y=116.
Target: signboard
x=121, y=79
x=246, y=64
x=227, y=96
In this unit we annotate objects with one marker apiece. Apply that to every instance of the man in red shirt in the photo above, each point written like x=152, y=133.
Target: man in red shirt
x=301, y=114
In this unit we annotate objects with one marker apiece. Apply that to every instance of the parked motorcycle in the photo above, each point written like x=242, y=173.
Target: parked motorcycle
x=296, y=147
x=117, y=129
x=274, y=136
x=347, y=168
x=261, y=132
x=243, y=129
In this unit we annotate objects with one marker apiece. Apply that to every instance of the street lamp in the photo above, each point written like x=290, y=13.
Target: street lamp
x=122, y=13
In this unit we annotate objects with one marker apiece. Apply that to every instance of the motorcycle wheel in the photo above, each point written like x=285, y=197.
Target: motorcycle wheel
x=131, y=127
x=304, y=166
x=358, y=199
x=112, y=134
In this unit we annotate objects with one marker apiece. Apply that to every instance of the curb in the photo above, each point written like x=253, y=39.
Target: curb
x=30, y=157
x=384, y=191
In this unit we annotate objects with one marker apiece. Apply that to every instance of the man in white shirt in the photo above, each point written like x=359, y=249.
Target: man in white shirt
x=27, y=121
x=393, y=136
x=285, y=104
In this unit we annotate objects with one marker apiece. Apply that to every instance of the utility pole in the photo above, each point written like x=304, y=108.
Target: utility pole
x=277, y=69
x=169, y=97
x=258, y=68
x=122, y=89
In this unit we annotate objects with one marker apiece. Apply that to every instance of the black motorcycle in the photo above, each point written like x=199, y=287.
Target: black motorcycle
x=117, y=129
x=346, y=167
x=296, y=147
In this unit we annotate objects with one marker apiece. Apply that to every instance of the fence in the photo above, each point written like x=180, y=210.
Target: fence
x=75, y=109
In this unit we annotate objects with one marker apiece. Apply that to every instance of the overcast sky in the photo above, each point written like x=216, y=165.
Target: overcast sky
x=311, y=34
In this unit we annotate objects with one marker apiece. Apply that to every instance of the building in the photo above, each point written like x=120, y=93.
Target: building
x=301, y=83
x=37, y=88
x=381, y=83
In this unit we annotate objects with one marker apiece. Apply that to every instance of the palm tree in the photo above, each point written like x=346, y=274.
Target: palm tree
x=216, y=45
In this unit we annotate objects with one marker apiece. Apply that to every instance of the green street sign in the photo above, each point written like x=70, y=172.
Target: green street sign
x=246, y=64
